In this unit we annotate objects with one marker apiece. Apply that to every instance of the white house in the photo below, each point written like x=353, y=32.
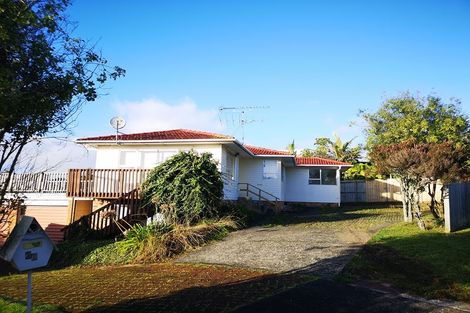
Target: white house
x=248, y=171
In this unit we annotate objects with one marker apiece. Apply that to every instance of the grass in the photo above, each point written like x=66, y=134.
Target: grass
x=11, y=306
x=429, y=263
x=161, y=287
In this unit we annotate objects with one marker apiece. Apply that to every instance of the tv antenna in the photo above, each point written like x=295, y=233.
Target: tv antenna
x=117, y=123
x=237, y=117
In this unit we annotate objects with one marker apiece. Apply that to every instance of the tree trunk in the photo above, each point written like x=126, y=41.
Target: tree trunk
x=433, y=205
x=406, y=200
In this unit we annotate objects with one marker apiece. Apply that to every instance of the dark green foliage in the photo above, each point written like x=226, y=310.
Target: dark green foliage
x=46, y=74
x=185, y=188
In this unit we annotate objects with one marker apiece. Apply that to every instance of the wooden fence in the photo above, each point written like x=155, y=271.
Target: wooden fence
x=41, y=182
x=457, y=207
x=376, y=191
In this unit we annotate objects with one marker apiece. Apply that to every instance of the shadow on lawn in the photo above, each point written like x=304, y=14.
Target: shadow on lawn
x=295, y=291
x=431, y=264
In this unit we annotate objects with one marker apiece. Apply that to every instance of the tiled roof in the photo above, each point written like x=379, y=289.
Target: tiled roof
x=265, y=151
x=174, y=134
x=300, y=161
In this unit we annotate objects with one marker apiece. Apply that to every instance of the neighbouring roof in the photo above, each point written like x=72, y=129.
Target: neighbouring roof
x=174, y=134
x=265, y=151
x=301, y=161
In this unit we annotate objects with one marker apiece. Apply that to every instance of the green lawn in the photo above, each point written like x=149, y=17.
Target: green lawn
x=11, y=306
x=429, y=263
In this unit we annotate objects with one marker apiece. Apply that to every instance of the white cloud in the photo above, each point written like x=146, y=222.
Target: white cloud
x=55, y=155
x=153, y=114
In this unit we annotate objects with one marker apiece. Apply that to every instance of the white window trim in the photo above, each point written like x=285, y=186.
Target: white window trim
x=270, y=175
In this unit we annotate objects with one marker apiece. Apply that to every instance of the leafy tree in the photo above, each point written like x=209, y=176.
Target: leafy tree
x=336, y=149
x=424, y=120
x=46, y=75
x=291, y=148
x=362, y=171
x=404, y=161
x=307, y=153
x=446, y=162
x=185, y=188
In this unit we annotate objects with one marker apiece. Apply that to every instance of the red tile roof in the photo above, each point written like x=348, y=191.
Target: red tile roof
x=300, y=161
x=265, y=151
x=174, y=134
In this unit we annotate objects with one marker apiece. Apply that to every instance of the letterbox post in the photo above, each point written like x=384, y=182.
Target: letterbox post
x=30, y=290
x=28, y=247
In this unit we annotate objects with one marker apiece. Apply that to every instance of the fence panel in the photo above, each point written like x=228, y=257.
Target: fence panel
x=457, y=207
x=377, y=191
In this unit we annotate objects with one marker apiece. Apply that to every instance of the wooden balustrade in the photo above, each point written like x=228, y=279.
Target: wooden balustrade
x=109, y=220
x=104, y=183
x=40, y=182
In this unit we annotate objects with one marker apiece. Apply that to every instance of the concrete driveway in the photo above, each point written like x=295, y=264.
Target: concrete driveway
x=284, y=249
x=320, y=241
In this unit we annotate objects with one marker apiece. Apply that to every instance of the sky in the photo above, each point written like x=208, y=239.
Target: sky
x=307, y=67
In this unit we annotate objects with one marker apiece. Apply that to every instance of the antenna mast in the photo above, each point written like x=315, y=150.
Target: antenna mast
x=242, y=120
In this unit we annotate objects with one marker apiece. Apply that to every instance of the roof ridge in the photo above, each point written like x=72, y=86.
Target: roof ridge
x=283, y=152
x=158, y=133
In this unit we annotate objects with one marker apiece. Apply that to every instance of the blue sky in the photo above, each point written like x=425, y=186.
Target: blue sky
x=314, y=63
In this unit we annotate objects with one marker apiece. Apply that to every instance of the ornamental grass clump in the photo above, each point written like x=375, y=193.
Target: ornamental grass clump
x=157, y=242
x=186, y=188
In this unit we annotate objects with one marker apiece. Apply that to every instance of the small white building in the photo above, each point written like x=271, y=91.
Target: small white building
x=248, y=171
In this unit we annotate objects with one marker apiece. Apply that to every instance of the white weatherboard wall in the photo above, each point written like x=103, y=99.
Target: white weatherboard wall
x=110, y=156
x=299, y=190
x=251, y=171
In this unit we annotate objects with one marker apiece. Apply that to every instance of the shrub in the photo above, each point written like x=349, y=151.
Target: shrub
x=154, y=243
x=185, y=188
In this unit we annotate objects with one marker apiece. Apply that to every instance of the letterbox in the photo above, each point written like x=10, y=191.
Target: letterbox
x=28, y=246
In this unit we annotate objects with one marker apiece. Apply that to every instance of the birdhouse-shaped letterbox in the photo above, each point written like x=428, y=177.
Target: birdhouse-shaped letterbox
x=28, y=246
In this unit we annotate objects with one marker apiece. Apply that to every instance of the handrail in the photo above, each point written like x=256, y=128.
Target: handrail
x=258, y=193
x=103, y=222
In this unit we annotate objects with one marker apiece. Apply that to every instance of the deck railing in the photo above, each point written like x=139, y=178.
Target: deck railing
x=41, y=182
x=110, y=220
x=104, y=183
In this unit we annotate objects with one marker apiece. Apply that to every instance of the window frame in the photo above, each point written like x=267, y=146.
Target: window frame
x=270, y=175
x=320, y=179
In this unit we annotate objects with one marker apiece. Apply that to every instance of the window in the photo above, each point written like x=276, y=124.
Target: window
x=318, y=176
x=328, y=177
x=149, y=159
x=129, y=159
x=270, y=169
x=314, y=176
x=230, y=166
x=165, y=155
